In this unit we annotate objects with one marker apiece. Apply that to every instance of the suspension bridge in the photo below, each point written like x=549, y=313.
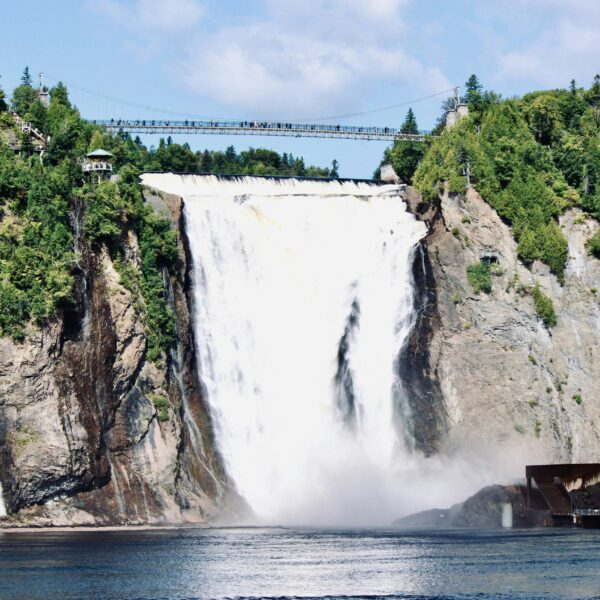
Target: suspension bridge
x=262, y=128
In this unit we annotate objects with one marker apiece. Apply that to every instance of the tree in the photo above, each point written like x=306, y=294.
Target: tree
x=405, y=155
x=440, y=124
x=473, y=93
x=478, y=99
x=543, y=115
x=206, y=162
x=410, y=123
x=334, y=170
x=59, y=95
x=593, y=94
x=23, y=98
x=3, y=105
x=38, y=116
x=26, y=77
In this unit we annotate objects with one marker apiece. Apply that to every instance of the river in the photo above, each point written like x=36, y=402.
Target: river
x=292, y=563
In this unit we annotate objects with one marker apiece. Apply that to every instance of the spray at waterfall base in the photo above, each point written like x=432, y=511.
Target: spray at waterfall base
x=303, y=301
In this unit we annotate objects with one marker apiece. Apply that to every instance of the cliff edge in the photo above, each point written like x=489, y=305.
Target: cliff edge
x=493, y=376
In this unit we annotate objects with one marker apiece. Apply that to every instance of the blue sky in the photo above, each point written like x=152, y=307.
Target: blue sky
x=295, y=59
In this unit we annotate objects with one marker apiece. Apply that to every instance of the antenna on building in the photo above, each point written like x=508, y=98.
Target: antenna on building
x=43, y=94
x=459, y=110
x=456, y=97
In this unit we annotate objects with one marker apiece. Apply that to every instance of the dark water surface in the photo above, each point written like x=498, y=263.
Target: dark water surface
x=276, y=563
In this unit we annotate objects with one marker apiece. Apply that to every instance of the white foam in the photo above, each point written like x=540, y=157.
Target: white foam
x=2, y=505
x=277, y=266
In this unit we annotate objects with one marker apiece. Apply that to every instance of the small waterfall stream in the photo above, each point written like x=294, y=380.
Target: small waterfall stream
x=303, y=300
x=2, y=505
x=195, y=436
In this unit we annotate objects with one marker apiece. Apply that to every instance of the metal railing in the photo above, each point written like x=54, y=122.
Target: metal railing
x=275, y=128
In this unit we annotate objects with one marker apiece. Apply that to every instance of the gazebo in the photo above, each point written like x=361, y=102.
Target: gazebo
x=98, y=162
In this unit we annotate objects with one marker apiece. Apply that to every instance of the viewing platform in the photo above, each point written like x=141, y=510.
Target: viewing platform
x=576, y=508
x=98, y=163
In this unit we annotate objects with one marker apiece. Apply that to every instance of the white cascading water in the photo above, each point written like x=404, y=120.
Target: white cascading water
x=2, y=505
x=303, y=299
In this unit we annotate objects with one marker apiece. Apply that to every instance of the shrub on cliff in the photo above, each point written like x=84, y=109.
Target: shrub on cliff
x=111, y=209
x=479, y=276
x=544, y=307
x=593, y=245
x=511, y=171
x=36, y=243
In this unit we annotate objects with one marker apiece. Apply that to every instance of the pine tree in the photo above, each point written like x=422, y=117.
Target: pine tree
x=206, y=162
x=473, y=93
x=593, y=94
x=60, y=95
x=3, y=105
x=410, y=123
x=26, y=77
x=334, y=170
x=405, y=155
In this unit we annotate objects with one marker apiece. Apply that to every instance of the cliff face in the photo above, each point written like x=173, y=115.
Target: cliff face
x=489, y=374
x=91, y=432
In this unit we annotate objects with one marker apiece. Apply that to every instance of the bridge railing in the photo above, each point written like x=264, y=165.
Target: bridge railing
x=260, y=128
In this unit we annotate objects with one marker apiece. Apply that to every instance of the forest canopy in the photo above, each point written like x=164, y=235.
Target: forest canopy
x=531, y=158
x=42, y=195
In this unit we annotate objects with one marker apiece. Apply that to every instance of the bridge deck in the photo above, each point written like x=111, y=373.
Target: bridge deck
x=267, y=128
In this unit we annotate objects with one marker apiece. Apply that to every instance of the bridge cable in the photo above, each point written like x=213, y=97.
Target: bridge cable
x=181, y=114
x=375, y=110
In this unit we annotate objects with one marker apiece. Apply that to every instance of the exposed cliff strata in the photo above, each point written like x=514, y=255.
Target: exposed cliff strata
x=496, y=376
x=81, y=440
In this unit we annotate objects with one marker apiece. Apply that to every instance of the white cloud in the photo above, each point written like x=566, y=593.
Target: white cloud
x=565, y=48
x=307, y=58
x=163, y=16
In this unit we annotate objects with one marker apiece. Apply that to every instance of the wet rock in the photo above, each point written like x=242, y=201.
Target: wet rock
x=81, y=441
x=483, y=510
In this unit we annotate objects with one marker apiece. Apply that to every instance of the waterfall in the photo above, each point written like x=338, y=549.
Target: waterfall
x=303, y=300
x=2, y=505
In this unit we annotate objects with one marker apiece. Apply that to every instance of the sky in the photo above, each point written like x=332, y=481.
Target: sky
x=318, y=60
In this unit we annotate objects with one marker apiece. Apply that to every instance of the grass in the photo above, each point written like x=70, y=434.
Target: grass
x=479, y=276
x=161, y=404
x=544, y=307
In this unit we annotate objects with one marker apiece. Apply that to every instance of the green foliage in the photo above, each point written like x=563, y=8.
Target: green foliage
x=405, y=156
x=35, y=242
x=578, y=398
x=26, y=77
x=447, y=160
x=36, y=239
x=23, y=98
x=478, y=99
x=479, y=276
x=593, y=245
x=530, y=158
x=544, y=307
x=254, y=161
x=161, y=404
x=3, y=105
x=512, y=172
x=112, y=208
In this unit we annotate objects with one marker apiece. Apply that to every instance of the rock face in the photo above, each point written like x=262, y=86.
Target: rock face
x=483, y=510
x=487, y=373
x=92, y=432
x=81, y=440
